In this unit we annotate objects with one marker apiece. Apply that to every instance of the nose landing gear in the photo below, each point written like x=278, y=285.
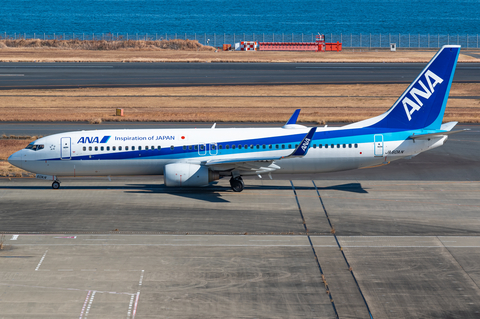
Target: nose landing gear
x=56, y=184
x=237, y=184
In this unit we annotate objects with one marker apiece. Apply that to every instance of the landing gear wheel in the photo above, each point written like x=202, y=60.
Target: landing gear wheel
x=56, y=185
x=237, y=184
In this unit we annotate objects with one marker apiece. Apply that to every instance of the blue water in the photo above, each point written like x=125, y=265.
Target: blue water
x=248, y=16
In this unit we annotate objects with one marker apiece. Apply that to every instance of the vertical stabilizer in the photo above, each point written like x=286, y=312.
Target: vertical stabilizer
x=422, y=105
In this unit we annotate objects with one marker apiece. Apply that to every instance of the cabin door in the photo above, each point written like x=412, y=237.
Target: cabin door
x=66, y=148
x=378, y=145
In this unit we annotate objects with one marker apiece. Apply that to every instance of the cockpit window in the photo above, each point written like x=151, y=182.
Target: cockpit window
x=35, y=147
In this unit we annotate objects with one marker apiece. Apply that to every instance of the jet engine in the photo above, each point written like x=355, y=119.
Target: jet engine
x=188, y=175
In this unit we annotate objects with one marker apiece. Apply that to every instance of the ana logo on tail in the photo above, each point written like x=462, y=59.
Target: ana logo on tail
x=426, y=93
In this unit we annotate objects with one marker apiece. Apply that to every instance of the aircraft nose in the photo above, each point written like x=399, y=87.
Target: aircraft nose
x=16, y=159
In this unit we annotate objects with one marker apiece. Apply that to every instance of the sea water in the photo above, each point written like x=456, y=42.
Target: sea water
x=247, y=16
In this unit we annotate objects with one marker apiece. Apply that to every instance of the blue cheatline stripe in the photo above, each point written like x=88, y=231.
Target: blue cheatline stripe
x=350, y=136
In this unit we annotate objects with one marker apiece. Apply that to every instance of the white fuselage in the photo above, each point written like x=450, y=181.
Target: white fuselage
x=147, y=151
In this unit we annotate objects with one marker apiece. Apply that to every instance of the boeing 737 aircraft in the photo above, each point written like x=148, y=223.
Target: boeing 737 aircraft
x=197, y=157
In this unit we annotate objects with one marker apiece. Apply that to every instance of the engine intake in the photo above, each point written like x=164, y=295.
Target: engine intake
x=188, y=175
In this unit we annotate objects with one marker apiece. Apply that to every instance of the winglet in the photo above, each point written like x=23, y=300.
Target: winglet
x=303, y=147
x=293, y=118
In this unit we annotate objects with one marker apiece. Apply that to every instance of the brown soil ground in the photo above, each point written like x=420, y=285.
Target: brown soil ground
x=160, y=55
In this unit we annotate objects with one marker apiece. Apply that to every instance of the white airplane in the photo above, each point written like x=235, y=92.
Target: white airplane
x=197, y=157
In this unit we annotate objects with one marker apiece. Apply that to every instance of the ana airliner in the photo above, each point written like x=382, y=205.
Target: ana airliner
x=197, y=157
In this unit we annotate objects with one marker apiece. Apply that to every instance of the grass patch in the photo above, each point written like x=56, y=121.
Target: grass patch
x=184, y=45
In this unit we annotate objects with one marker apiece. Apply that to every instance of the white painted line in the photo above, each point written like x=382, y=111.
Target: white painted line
x=138, y=294
x=14, y=237
x=141, y=279
x=41, y=260
x=130, y=305
x=85, y=304
x=90, y=304
x=12, y=74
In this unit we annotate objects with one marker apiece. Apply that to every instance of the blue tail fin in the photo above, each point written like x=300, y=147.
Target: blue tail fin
x=423, y=104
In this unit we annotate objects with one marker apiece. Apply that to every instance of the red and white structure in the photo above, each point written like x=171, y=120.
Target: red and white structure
x=248, y=46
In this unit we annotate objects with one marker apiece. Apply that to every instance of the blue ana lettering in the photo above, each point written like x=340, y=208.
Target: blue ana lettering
x=166, y=138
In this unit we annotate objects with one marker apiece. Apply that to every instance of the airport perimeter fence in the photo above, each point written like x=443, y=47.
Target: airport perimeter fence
x=363, y=41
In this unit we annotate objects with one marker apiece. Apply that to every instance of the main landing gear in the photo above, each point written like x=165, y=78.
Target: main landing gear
x=56, y=184
x=237, y=184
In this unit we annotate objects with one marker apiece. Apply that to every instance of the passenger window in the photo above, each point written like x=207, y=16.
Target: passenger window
x=344, y=145
x=356, y=145
x=296, y=145
x=314, y=145
x=89, y=148
x=114, y=148
x=173, y=147
x=201, y=147
x=96, y=148
x=320, y=145
x=159, y=147
x=332, y=145
x=189, y=147
x=84, y=148
x=220, y=146
x=152, y=147
x=184, y=147
x=326, y=145
x=213, y=147
x=264, y=146
x=133, y=148
x=289, y=145
x=139, y=148
x=119, y=148
x=195, y=147
x=338, y=145
x=270, y=146
x=108, y=148
x=227, y=146
x=258, y=146
x=246, y=146
x=233, y=146
x=239, y=146
x=126, y=148
x=146, y=147
x=349, y=145
x=276, y=146
x=101, y=148
x=283, y=145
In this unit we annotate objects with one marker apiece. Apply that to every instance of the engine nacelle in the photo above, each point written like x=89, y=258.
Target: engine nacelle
x=188, y=175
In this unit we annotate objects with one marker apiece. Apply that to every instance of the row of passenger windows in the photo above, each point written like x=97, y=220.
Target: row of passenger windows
x=214, y=147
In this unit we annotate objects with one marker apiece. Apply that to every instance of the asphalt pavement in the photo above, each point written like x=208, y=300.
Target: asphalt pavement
x=75, y=75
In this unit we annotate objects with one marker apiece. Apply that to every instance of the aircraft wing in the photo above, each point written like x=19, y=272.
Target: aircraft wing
x=260, y=164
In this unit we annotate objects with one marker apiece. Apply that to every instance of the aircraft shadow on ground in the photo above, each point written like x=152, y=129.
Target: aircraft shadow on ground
x=211, y=193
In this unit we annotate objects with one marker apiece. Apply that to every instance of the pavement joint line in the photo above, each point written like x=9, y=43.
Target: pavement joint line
x=315, y=253
x=134, y=312
x=68, y=289
x=341, y=250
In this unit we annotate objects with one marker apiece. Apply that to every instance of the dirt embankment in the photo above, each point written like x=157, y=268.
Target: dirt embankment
x=35, y=50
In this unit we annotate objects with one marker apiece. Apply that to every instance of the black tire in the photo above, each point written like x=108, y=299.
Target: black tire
x=55, y=185
x=237, y=184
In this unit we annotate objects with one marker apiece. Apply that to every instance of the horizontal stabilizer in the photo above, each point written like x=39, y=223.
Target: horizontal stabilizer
x=431, y=135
